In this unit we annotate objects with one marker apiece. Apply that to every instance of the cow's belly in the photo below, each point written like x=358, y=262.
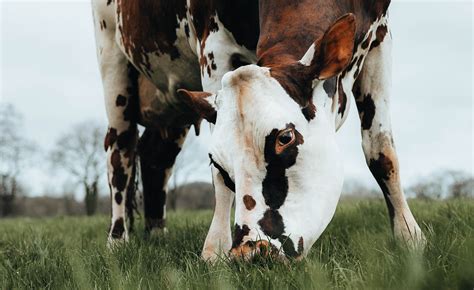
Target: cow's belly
x=164, y=67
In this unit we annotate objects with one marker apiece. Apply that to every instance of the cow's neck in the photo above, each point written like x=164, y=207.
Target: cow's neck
x=287, y=30
x=289, y=27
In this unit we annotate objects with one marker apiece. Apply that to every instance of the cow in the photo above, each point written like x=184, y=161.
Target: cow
x=275, y=78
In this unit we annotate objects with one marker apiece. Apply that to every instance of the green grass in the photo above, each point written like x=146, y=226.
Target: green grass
x=356, y=251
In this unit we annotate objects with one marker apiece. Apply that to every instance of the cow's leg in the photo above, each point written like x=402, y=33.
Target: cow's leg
x=219, y=237
x=372, y=93
x=119, y=80
x=158, y=151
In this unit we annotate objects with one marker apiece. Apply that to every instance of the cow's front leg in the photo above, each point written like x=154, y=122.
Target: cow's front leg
x=119, y=80
x=372, y=90
x=219, y=237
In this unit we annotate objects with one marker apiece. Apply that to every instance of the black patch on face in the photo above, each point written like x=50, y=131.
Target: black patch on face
x=229, y=183
x=289, y=247
x=118, y=229
x=275, y=183
x=239, y=234
x=272, y=223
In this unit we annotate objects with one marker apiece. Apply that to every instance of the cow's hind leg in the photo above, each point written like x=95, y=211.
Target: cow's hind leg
x=371, y=90
x=158, y=150
x=120, y=82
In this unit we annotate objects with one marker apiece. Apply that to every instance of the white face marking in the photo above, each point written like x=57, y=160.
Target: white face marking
x=251, y=104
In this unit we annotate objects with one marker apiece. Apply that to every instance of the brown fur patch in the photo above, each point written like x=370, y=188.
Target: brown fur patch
x=379, y=36
x=110, y=138
x=281, y=45
x=309, y=111
x=249, y=202
x=149, y=26
x=384, y=170
x=300, y=246
x=119, y=178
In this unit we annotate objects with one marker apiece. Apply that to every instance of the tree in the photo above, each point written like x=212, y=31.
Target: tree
x=15, y=152
x=443, y=184
x=80, y=153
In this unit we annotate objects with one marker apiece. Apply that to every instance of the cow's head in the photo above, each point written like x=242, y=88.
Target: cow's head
x=281, y=161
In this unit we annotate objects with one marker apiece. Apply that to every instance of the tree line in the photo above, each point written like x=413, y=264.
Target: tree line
x=79, y=155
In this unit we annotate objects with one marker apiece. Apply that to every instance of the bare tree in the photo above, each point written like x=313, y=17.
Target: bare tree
x=443, y=184
x=462, y=184
x=15, y=151
x=80, y=153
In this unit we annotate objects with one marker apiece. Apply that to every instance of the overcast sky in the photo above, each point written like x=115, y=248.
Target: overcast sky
x=49, y=72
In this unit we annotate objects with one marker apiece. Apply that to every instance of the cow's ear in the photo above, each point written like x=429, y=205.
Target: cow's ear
x=202, y=103
x=331, y=53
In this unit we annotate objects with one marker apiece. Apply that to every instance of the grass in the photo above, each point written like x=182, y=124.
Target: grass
x=356, y=251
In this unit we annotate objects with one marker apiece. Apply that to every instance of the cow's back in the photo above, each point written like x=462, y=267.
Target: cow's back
x=165, y=41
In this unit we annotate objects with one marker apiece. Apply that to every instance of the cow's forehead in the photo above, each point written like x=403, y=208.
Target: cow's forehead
x=251, y=93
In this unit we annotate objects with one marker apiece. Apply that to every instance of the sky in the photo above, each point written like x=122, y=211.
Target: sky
x=48, y=70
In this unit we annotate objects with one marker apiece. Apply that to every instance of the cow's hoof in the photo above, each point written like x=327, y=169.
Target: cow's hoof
x=156, y=232
x=410, y=234
x=212, y=255
x=113, y=243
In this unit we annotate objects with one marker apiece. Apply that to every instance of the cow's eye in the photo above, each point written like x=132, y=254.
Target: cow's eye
x=285, y=137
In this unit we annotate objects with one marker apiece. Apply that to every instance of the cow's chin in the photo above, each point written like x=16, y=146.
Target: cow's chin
x=292, y=227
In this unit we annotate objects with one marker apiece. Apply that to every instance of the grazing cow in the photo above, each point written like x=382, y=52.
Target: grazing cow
x=275, y=77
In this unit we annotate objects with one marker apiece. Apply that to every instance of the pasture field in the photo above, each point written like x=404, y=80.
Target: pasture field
x=355, y=252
